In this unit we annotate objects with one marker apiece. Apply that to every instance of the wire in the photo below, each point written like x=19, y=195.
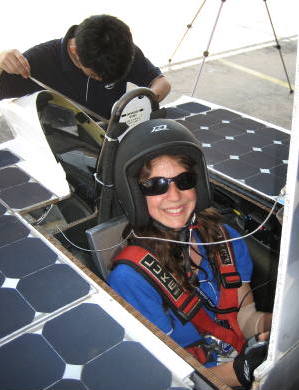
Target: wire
x=253, y=289
x=93, y=250
x=215, y=242
x=282, y=192
x=43, y=216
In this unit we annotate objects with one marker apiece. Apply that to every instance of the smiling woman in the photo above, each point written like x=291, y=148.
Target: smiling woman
x=175, y=205
x=190, y=293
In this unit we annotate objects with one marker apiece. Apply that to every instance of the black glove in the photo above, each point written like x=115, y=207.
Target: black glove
x=253, y=354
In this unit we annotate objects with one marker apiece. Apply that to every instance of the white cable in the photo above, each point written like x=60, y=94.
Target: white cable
x=87, y=88
x=95, y=175
x=93, y=250
x=175, y=241
x=215, y=242
x=43, y=216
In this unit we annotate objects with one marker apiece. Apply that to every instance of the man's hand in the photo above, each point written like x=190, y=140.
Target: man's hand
x=12, y=61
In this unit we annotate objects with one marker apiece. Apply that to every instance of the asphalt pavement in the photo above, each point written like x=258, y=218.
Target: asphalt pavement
x=257, y=81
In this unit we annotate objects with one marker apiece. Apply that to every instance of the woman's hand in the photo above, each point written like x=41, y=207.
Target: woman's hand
x=12, y=61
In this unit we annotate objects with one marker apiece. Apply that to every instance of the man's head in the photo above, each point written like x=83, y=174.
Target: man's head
x=104, y=45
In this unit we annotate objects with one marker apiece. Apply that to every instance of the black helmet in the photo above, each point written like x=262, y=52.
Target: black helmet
x=144, y=142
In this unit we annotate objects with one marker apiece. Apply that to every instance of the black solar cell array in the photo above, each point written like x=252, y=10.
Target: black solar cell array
x=242, y=149
x=47, y=339
x=82, y=348
x=33, y=281
x=17, y=189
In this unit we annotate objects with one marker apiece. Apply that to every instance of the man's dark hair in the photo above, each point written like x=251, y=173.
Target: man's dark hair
x=104, y=44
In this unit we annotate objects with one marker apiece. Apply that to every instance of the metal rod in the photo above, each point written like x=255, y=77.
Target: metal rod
x=278, y=47
x=206, y=52
x=186, y=32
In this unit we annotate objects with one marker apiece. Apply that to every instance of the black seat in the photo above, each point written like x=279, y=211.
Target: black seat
x=106, y=235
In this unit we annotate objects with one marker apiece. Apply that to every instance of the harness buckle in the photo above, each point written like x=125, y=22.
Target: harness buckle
x=231, y=280
x=189, y=307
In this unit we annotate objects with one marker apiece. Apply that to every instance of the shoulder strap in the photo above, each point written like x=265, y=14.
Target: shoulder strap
x=185, y=304
x=225, y=259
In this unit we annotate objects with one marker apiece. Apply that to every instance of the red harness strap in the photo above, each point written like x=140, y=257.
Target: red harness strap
x=187, y=305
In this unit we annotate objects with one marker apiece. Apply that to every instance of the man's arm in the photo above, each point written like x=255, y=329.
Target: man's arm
x=13, y=62
x=161, y=87
x=14, y=75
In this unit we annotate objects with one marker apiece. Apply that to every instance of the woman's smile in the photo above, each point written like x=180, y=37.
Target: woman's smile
x=174, y=207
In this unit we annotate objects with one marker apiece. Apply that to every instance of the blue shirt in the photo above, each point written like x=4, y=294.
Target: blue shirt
x=135, y=289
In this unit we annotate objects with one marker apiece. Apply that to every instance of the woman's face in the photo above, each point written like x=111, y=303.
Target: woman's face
x=174, y=207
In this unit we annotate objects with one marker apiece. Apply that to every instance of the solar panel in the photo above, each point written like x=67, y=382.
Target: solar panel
x=81, y=334
x=10, y=177
x=34, y=280
x=83, y=348
x=25, y=195
x=128, y=366
x=25, y=257
x=226, y=129
x=222, y=115
x=15, y=312
x=240, y=149
x=29, y=362
x=7, y=158
x=18, y=189
x=174, y=113
x=11, y=229
x=53, y=287
x=68, y=384
x=193, y=107
x=203, y=120
x=54, y=334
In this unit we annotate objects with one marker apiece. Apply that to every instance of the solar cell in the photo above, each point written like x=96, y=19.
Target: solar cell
x=281, y=151
x=10, y=177
x=202, y=120
x=260, y=160
x=28, y=363
x=226, y=129
x=223, y=115
x=206, y=136
x=190, y=125
x=230, y=147
x=68, y=384
x=25, y=195
x=174, y=113
x=248, y=124
x=53, y=287
x=212, y=155
x=128, y=366
x=266, y=183
x=254, y=139
x=14, y=312
x=193, y=107
x=11, y=229
x=236, y=169
x=25, y=257
x=7, y=158
x=83, y=333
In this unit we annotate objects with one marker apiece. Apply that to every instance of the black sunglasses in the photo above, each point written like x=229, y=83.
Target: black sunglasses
x=159, y=185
